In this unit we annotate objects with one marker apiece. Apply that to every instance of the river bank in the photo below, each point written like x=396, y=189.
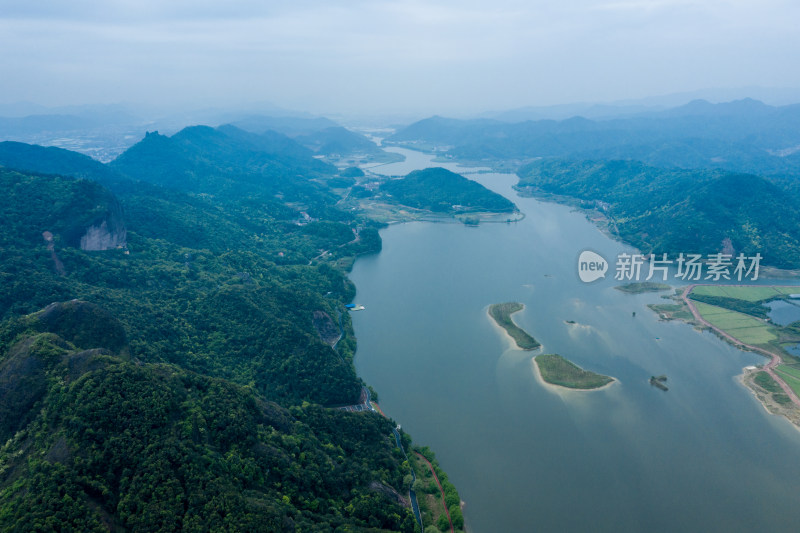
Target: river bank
x=522, y=453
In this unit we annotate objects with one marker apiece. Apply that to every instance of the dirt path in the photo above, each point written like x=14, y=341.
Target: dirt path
x=775, y=360
x=356, y=238
x=436, y=478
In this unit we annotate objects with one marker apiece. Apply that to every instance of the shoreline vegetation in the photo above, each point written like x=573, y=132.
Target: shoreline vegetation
x=556, y=370
x=501, y=314
x=769, y=394
x=384, y=212
x=439, y=502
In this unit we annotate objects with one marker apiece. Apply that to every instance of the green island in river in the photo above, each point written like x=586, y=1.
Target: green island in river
x=556, y=370
x=501, y=314
x=645, y=286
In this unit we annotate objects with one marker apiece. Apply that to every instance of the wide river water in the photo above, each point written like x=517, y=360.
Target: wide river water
x=704, y=456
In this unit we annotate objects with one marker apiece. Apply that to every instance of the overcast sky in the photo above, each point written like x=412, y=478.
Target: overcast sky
x=345, y=56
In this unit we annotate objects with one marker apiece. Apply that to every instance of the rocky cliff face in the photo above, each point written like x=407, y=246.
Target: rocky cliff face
x=104, y=237
x=99, y=228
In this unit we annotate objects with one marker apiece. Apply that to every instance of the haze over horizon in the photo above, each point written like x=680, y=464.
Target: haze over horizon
x=417, y=57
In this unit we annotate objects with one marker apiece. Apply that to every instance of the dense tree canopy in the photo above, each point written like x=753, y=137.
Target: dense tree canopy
x=178, y=382
x=442, y=191
x=673, y=211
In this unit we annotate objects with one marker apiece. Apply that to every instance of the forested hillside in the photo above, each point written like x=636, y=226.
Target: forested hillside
x=442, y=191
x=224, y=161
x=52, y=160
x=177, y=381
x=674, y=211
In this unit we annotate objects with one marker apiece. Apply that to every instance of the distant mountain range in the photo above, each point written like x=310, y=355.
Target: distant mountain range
x=630, y=107
x=104, y=132
x=744, y=135
x=700, y=178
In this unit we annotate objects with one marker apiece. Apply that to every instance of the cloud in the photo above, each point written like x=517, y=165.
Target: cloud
x=436, y=56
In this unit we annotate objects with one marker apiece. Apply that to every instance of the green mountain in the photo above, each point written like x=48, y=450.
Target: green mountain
x=674, y=211
x=181, y=381
x=225, y=161
x=341, y=142
x=52, y=160
x=45, y=219
x=95, y=442
x=442, y=191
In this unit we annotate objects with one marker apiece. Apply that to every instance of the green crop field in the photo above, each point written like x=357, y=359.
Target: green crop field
x=756, y=336
x=750, y=294
x=791, y=376
x=746, y=329
x=791, y=369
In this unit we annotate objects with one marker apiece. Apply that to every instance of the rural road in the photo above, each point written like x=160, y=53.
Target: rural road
x=768, y=368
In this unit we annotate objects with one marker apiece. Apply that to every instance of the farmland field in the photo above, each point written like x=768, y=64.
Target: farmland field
x=750, y=294
x=745, y=328
x=791, y=375
x=790, y=369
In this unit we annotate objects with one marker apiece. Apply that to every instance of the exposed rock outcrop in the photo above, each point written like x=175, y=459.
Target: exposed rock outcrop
x=103, y=237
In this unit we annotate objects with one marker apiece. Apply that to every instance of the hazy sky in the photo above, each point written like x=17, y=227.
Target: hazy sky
x=346, y=56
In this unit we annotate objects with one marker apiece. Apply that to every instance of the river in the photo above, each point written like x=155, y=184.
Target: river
x=704, y=456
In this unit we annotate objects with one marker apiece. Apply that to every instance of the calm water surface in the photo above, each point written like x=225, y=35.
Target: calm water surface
x=703, y=456
x=784, y=312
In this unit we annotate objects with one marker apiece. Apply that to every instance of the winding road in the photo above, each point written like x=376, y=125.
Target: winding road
x=366, y=405
x=411, y=492
x=775, y=360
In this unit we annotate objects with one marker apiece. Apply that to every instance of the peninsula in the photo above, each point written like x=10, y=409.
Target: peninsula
x=559, y=371
x=501, y=314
